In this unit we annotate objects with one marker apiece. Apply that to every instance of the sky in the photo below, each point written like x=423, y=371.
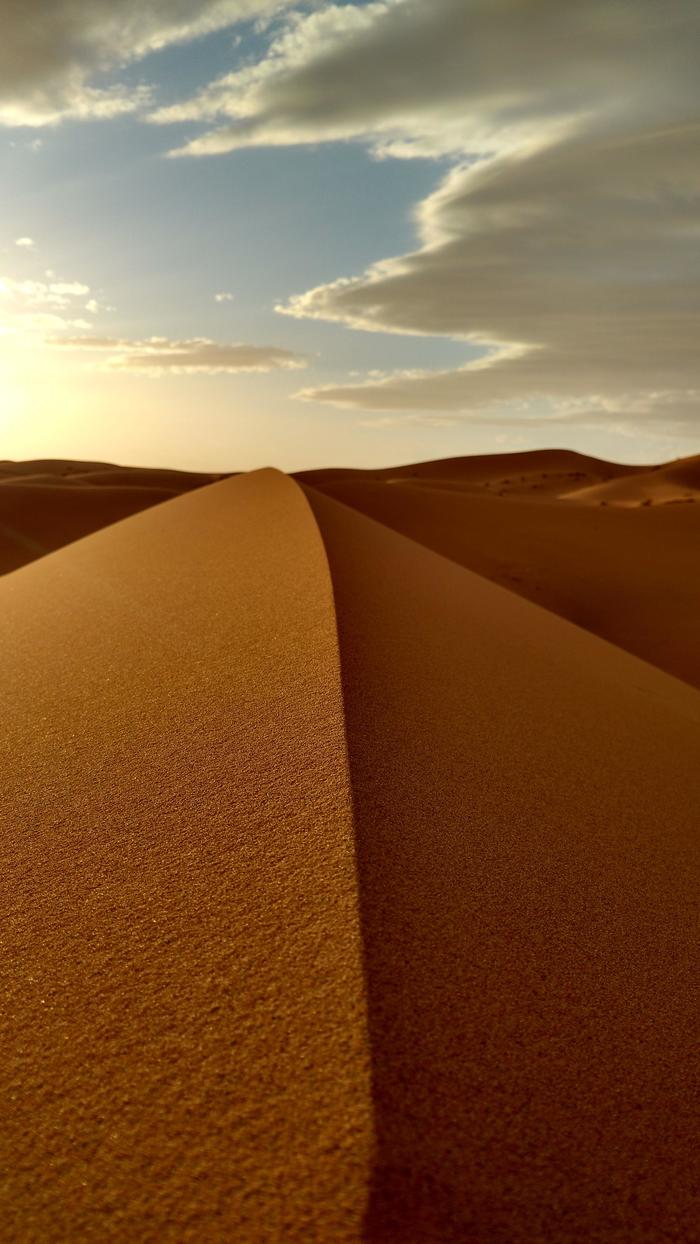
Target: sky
x=236, y=233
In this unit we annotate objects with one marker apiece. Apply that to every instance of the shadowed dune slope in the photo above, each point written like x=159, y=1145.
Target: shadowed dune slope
x=630, y=576
x=183, y=1017
x=525, y=804
x=47, y=503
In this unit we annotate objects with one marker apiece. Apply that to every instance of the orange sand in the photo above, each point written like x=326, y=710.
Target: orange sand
x=183, y=1015
x=525, y=802
x=673, y=484
x=49, y=503
x=349, y=906
x=631, y=576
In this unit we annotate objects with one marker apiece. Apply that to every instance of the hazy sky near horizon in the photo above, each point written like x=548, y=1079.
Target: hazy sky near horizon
x=240, y=232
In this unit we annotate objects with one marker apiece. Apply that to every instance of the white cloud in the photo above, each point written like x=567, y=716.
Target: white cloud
x=157, y=356
x=25, y=243
x=53, y=51
x=224, y=297
x=18, y=296
x=563, y=241
x=31, y=309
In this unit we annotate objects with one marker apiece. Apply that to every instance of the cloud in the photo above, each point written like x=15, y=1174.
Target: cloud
x=225, y=297
x=52, y=51
x=562, y=242
x=244, y=95
x=30, y=309
x=25, y=243
x=574, y=269
x=157, y=356
x=19, y=293
x=451, y=76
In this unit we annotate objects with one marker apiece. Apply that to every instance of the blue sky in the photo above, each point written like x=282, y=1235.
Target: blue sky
x=350, y=136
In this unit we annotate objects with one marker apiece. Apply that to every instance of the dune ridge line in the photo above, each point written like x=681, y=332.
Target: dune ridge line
x=184, y=1012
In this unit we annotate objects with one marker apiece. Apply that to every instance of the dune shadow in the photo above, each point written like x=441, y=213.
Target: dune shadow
x=414, y=887
x=512, y=1018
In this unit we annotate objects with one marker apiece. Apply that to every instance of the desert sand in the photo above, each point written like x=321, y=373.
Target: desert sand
x=628, y=569
x=46, y=504
x=350, y=896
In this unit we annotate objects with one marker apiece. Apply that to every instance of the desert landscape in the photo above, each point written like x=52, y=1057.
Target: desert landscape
x=350, y=852
x=350, y=622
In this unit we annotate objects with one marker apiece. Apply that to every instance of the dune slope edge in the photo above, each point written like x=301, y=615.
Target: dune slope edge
x=525, y=801
x=183, y=1020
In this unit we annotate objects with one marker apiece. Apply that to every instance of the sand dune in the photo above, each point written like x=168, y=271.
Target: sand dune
x=525, y=813
x=665, y=485
x=482, y=467
x=183, y=1025
x=631, y=576
x=59, y=467
x=546, y=471
x=349, y=896
x=47, y=503
x=63, y=470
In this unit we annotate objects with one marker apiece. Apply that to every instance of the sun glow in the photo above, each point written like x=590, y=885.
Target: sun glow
x=33, y=408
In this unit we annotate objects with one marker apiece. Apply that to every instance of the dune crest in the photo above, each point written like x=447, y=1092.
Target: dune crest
x=183, y=1020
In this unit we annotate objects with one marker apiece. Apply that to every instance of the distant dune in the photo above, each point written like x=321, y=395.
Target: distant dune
x=48, y=503
x=677, y=482
x=349, y=896
x=539, y=470
x=533, y=522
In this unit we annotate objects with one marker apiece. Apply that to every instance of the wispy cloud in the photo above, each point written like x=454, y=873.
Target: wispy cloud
x=158, y=356
x=53, y=52
x=242, y=96
x=224, y=297
x=30, y=308
x=25, y=243
x=41, y=293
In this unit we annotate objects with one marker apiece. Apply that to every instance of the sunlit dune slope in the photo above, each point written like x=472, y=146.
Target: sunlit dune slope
x=47, y=503
x=676, y=482
x=183, y=1023
x=525, y=802
x=629, y=575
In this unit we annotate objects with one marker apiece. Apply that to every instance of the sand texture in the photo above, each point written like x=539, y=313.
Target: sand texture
x=347, y=895
x=183, y=1015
